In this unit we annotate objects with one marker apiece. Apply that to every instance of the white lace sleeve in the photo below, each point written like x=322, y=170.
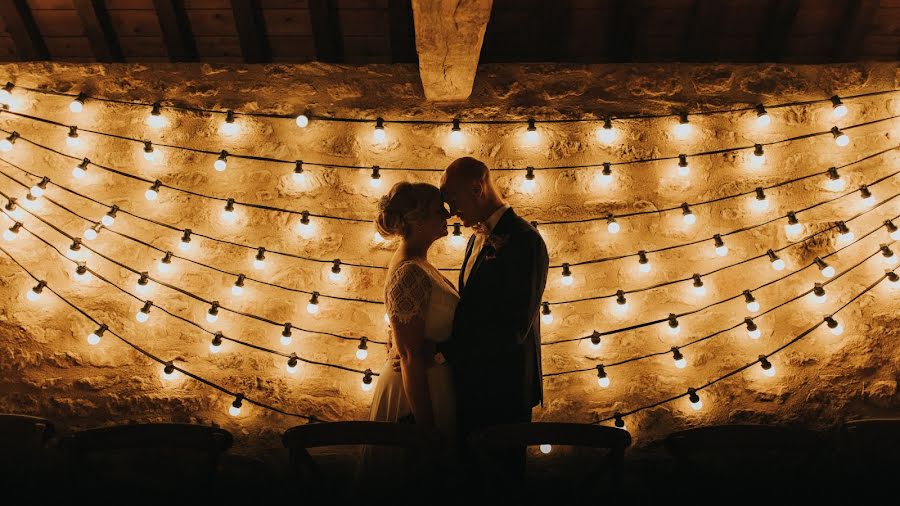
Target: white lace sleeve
x=407, y=293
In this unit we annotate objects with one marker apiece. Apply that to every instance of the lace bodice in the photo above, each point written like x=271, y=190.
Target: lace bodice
x=416, y=289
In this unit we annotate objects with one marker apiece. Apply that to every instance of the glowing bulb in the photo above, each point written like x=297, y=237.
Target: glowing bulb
x=313, y=306
x=689, y=219
x=77, y=105
x=34, y=294
x=605, y=177
x=700, y=290
x=836, y=185
x=696, y=403
x=72, y=141
x=237, y=290
x=292, y=367
x=458, y=240
x=366, y=383
x=847, y=236
x=768, y=371
x=234, y=410
x=793, y=229
x=722, y=250
x=216, y=345
x=82, y=275
x=299, y=177
x=840, y=138
x=93, y=339
x=683, y=129
x=9, y=235
x=141, y=316
x=839, y=110
x=377, y=238
x=156, y=121
x=683, y=168
x=5, y=145
x=819, y=294
x=607, y=134
x=753, y=306
x=763, y=120
x=229, y=215
x=833, y=325
x=620, y=309
x=259, y=264
x=78, y=172
x=305, y=228
x=378, y=135
x=828, y=272
x=545, y=449
x=778, y=264
x=302, y=120
x=603, y=382
x=567, y=280
x=220, y=164
x=375, y=183
x=151, y=194
x=168, y=372
x=613, y=226
x=681, y=363
x=456, y=134
x=37, y=191
x=529, y=185
x=532, y=137
x=759, y=156
x=212, y=318
x=547, y=318
x=754, y=334
x=228, y=128
x=760, y=205
x=699, y=404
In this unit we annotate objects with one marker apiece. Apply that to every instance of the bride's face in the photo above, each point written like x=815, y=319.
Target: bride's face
x=433, y=224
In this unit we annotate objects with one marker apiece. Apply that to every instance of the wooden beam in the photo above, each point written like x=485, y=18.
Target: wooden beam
x=326, y=28
x=400, y=17
x=25, y=34
x=704, y=30
x=551, y=27
x=774, y=38
x=624, y=29
x=99, y=30
x=858, y=20
x=176, y=30
x=251, y=28
x=449, y=34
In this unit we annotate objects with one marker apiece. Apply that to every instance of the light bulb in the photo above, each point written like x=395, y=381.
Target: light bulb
x=168, y=372
x=73, y=142
x=760, y=205
x=778, y=265
x=680, y=361
x=643, y=262
x=567, y=280
x=836, y=185
x=529, y=185
x=220, y=164
x=545, y=449
x=77, y=105
x=228, y=128
x=722, y=251
x=234, y=410
x=5, y=145
x=362, y=354
x=366, y=382
x=547, y=318
x=237, y=289
x=305, y=227
x=838, y=110
x=37, y=191
x=840, y=138
x=78, y=172
x=793, y=229
x=216, y=345
x=683, y=168
x=700, y=290
x=299, y=177
x=9, y=235
x=259, y=264
x=689, y=219
x=229, y=215
x=336, y=275
x=531, y=134
x=603, y=382
x=291, y=369
x=141, y=316
x=694, y=399
x=93, y=338
x=302, y=120
x=828, y=272
x=546, y=315
x=762, y=117
x=156, y=121
x=834, y=326
x=82, y=275
x=753, y=306
x=759, y=156
x=378, y=135
x=34, y=294
x=607, y=134
x=458, y=240
x=151, y=194
x=456, y=135
x=612, y=226
x=699, y=404
x=683, y=129
x=313, y=306
x=620, y=309
x=819, y=294
x=605, y=177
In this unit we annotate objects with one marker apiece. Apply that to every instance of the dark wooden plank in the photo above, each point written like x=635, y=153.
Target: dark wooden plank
x=176, y=30
x=251, y=29
x=704, y=30
x=402, y=31
x=99, y=30
x=24, y=31
x=551, y=27
x=323, y=16
x=773, y=38
x=858, y=20
x=625, y=29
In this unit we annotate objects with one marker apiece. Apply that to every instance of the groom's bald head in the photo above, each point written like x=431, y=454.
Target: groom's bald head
x=467, y=189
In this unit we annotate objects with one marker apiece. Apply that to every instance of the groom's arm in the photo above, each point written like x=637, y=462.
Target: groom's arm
x=524, y=275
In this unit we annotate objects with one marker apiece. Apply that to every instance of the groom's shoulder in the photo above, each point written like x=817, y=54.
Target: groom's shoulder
x=525, y=230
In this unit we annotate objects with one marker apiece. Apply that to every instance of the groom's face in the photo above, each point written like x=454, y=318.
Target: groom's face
x=461, y=199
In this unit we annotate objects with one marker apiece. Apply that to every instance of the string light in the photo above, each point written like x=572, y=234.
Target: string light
x=313, y=306
x=35, y=293
x=683, y=129
x=72, y=139
x=238, y=288
x=887, y=255
x=212, y=315
x=546, y=315
x=531, y=133
x=602, y=377
x=362, y=351
x=833, y=325
x=721, y=249
x=286, y=336
x=621, y=306
x=612, y=226
x=767, y=367
x=643, y=262
x=760, y=203
x=674, y=328
x=367, y=380
x=336, y=275
x=840, y=138
x=165, y=263
x=619, y=421
x=835, y=183
x=153, y=192
x=777, y=263
x=680, y=361
x=595, y=340
x=150, y=153
x=259, y=262
x=168, y=371
x=605, y=176
x=379, y=134
x=75, y=251
x=82, y=274
x=235, y=409
x=607, y=134
x=6, y=93
x=302, y=120
x=77, y=105
x=12, y=232
x=759, y=156
x=683, y=168
x=229, y=127
x=94, y=337
x=546, y=449
x=377, y=238
x=221, y=162
x=216, y=345
x=8, y=143
x=826, y=270
x=185, y=243
x=752, y=303
x=457, y=239
x=892, y=230
x=298, y=176
x=375, y=180
x=838, y=109
x=687, y=215
x=156, y=119
x=793, y=227
x=81, y=169
x=752, y=329
x=37, y=191
x=529, y=184
x=893, y=278
x=228, y=213
x=305, y=227
x=762, y=117
x=143, y=284
x=699, y=288
x=456, y=135
x=696, y=403
x=110, y=217
x=868, y=199
x=144, y=314
x=292, y=363
x=819, y=294
x=845, y=234
x=12, y=210
x=566, y=275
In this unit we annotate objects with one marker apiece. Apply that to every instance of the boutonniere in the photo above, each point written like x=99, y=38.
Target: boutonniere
x=493, y=244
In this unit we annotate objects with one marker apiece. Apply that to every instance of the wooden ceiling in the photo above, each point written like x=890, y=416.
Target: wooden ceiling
x=381, y=31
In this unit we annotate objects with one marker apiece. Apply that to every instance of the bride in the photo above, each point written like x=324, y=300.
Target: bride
x=420, y=303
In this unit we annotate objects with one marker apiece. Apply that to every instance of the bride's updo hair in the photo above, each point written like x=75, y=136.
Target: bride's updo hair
x=404, y=202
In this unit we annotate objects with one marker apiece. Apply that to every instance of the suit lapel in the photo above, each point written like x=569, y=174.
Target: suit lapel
x=462, y=272
x=501, y=226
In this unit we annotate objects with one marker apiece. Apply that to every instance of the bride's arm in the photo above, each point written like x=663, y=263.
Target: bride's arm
x=413, y=364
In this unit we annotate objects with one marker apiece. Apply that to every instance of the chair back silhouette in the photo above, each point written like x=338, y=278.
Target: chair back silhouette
x=609, y=464
x=153, y=458
x=742, y=457
x=419, y=444
x=22, y=449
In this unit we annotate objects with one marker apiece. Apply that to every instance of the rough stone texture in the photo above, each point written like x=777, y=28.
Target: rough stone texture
x=47, y=368
x=448, y=39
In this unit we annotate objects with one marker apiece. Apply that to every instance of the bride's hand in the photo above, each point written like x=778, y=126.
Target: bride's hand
x=392, y=354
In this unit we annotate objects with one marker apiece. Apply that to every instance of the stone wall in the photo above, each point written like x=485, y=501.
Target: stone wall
x=48, y=369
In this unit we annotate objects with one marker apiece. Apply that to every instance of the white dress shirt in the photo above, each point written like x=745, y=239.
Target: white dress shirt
x=480, y=238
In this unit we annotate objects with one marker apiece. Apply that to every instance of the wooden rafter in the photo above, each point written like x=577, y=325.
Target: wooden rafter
x=326, y=30
x=25, y=34
x=251, y=30
x=176, y=30
x=774, y=38
x=99, y=30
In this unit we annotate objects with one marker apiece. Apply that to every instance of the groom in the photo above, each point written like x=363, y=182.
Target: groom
x=495, y=346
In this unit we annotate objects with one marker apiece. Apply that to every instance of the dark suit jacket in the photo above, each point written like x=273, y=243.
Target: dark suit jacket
x=495, y=346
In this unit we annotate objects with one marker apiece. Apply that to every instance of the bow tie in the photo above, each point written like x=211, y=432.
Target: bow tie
x=481, y=228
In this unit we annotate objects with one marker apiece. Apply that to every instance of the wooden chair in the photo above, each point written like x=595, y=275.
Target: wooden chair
x=155, y=459
x=757, y=459
x=23, y=440
x=421, y=446
x=485, y=442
